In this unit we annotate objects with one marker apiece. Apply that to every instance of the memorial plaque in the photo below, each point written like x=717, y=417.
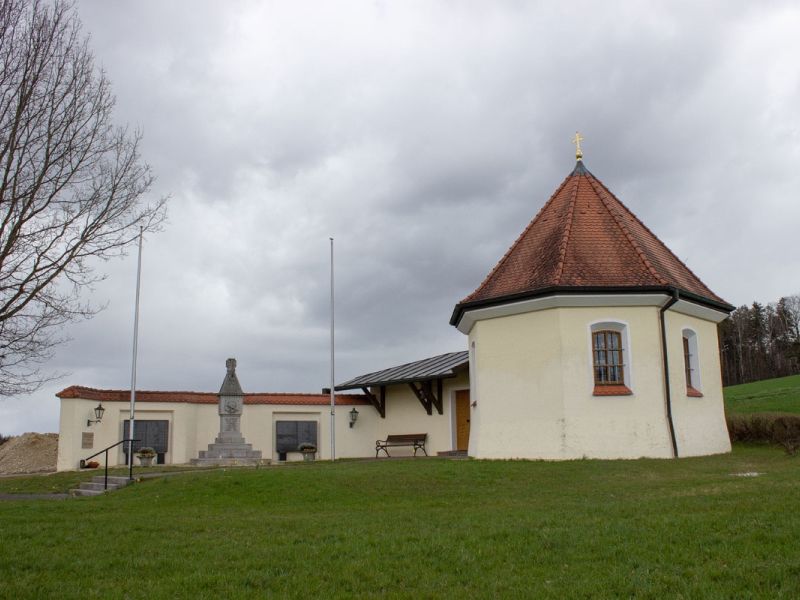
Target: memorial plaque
x=87, y=440
x=152, y=433
x=290, y=434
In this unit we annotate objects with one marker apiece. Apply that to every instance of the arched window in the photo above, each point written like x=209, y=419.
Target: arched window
x=691, y=363
x=610, y=363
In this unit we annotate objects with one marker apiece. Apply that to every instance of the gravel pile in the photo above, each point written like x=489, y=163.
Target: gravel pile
x=29, y=453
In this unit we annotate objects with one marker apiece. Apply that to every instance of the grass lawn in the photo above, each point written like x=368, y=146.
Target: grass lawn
x=422, y=528
x=771, y=395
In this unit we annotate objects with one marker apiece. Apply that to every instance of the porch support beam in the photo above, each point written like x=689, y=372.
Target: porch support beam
x=378, y=403
x=425, y=401
x=427, y=397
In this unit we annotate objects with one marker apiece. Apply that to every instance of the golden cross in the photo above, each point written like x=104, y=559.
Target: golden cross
x=577, y=141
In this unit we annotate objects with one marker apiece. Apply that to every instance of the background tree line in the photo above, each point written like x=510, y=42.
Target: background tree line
x=760, y=342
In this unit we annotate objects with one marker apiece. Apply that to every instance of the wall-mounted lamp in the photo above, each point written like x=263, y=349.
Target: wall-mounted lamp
x=353, y=417
x=98, y=413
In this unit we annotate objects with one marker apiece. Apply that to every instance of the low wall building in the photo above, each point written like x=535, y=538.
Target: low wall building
x=178, y=425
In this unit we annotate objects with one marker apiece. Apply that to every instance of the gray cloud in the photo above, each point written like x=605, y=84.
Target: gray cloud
x=422, y=136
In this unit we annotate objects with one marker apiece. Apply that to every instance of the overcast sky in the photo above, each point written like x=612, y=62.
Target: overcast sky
x=422, y=136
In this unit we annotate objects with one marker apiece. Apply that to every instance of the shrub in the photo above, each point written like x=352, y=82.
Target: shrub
x=786, y=432
x=146, y=451
x=771, y=428
x=4, y=438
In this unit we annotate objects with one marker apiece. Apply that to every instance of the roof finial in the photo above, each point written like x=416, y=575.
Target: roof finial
x=577, y=141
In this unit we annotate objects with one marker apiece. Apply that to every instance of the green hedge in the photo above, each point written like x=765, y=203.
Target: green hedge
x=774, y=428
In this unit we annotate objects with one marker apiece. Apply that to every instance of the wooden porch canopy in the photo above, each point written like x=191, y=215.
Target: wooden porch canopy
x=424, y=377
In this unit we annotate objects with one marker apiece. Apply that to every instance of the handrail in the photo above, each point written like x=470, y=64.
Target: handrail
x=109, y=448
x=105, y=480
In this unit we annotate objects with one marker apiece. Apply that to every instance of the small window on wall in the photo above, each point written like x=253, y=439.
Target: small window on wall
x=691, y=364
x=609, y=359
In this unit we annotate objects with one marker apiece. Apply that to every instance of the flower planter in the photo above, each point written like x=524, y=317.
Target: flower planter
x=309, y=456
x=146, y=461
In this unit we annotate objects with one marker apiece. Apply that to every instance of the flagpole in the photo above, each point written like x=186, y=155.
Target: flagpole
x=333, y=394
x=132, y=420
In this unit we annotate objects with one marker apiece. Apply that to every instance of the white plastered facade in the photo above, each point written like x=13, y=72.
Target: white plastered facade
x=193, y=426
x=533, y=383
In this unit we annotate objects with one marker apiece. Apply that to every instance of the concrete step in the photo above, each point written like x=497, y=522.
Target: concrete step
x=228, y=462
x=230, y=451
x=94, y=485
x=80, y=492
x=115, y=479
x=453, y=453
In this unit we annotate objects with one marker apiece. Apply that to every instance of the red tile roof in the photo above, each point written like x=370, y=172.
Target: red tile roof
x=77, y=391
x=584, y=237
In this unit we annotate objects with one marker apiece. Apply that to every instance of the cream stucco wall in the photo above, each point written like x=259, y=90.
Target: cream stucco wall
x=615, y=426
x=699, y=422
x=193, y=426
x=518, y=387
x=533, y=382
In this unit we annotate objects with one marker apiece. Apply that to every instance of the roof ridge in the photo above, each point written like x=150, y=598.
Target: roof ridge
x=519, y=237
x=646, y=228
x=601, y=190
x=127, y=390
x=83, y=388
x=284, y=394
x=562, y=251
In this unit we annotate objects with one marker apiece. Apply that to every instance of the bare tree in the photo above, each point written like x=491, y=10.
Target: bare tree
x=72, y=185
x=792, y=308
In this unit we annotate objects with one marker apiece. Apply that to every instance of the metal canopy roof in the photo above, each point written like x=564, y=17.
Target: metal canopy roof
x=436, y=367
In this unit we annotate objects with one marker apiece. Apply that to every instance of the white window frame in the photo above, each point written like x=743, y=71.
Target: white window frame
x=694, y=358
x=622, y=328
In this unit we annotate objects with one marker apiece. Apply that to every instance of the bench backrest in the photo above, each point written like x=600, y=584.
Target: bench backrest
x=406, y=437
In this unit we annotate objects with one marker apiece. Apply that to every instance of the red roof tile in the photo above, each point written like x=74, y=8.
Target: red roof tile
x=584, y=237
x=77, y=391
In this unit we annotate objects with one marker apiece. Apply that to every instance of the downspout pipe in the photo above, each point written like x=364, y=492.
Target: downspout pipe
x=667, y=395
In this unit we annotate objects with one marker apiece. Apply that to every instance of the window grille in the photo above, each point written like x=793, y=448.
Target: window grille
x=687, y=361
x=609, y=366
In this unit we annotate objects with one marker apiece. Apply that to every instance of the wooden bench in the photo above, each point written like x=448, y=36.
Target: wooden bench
x=415, y=440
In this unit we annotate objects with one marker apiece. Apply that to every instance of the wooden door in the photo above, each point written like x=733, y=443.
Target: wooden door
x=462, y=420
